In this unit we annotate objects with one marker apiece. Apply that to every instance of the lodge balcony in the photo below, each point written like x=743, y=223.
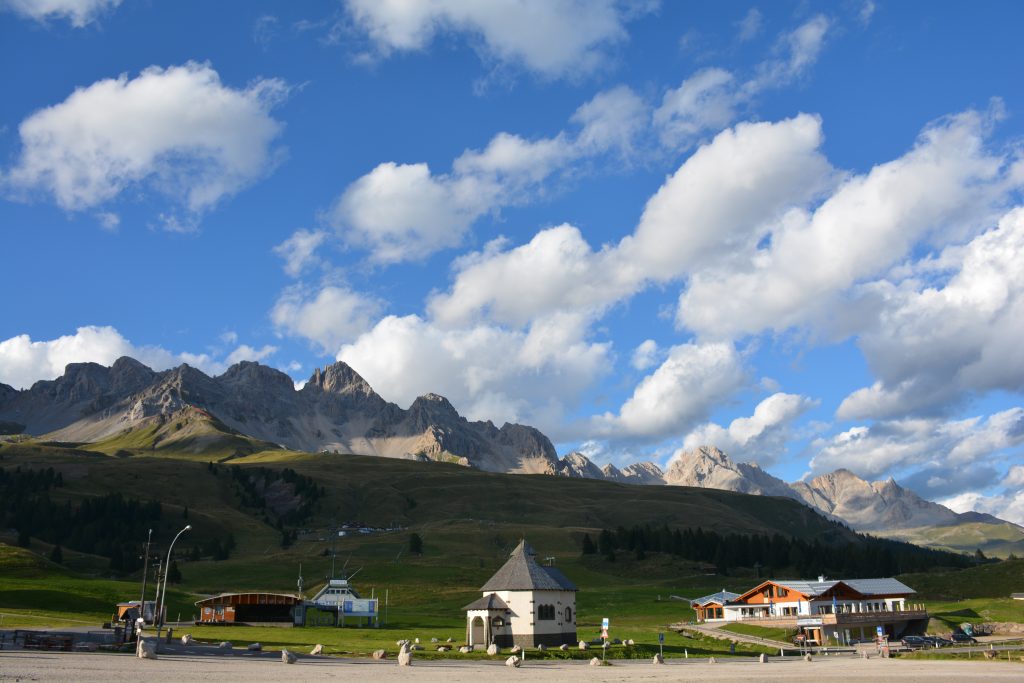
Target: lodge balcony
x=844, y=618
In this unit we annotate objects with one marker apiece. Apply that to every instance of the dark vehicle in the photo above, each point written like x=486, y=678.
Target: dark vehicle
x=935, y=641
x=962, y=638
x=916, y=642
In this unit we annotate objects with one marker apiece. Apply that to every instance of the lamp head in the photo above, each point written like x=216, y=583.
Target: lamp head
x=187, y=527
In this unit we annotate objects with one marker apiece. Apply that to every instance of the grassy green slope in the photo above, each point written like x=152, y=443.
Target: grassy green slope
x=190, y=433
x=996, y=540
x=469, y=520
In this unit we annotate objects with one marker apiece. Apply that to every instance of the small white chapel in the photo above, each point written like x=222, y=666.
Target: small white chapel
x=523, y=604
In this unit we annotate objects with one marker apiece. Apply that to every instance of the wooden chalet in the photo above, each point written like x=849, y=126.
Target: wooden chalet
x=823, y=610
x=248, y=608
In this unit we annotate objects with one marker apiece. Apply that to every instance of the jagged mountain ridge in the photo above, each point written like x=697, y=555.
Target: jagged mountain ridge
x=865, y=506
x=336, y=410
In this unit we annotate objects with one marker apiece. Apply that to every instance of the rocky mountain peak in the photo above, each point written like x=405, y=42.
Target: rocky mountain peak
x=611, y=472
x=339, y=378
x=643, y=473
x=709, y=467
x=528, y=440
x=577, y=465
x=252, y=376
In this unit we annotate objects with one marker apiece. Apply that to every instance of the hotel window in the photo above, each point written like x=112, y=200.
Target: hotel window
x=781, y=592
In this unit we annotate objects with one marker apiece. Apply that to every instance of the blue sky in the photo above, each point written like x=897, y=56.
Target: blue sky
x=789, y=229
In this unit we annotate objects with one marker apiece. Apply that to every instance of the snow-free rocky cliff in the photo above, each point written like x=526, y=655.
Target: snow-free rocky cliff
x=337, y=410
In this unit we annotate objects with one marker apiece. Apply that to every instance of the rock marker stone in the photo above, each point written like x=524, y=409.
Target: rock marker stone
x=658, y=659
x=318, y=649
x=513, y=662
x=288, y=657
x=147, y=648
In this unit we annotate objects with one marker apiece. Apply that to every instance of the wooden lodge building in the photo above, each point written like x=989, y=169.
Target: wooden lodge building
x=248, y=608
x=823, y=611
x=523, y=604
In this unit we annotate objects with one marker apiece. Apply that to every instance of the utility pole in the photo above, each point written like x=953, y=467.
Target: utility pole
x=145, y=574
x=156, y=598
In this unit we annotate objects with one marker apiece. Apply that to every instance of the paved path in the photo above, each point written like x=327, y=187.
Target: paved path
x=715, y=632
x=105, y=668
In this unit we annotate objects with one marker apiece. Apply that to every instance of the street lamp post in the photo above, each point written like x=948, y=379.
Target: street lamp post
x=162, y=605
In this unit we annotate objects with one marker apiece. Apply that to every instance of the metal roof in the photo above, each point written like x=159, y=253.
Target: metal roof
x=488, y=602
x=522, y=573
x=721, y=597
x=866, y=587
x=225, y=597
x=878, y=586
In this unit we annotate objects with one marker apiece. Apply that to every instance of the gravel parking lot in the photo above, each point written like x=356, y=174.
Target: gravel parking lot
x=85, y=667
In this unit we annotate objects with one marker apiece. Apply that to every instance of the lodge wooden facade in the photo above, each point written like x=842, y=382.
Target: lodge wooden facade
x=823, y=611
x=249, y=608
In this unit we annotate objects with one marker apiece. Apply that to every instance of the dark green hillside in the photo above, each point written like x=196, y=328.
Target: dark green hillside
x=993, y=580
x=384, y=492
x=281, y=510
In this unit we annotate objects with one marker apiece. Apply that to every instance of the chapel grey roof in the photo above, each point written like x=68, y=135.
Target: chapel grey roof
x=488, y=602
x=721, y=597
x=522, y=572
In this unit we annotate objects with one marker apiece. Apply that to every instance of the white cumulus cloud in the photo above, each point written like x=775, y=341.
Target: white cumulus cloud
x=178, y=131
x=24, y=361
x=948, y=181
x=299, y=250
x=931, y=444
x=329, y=315
x=1008, y=505
x=486, y=371
x=936, y=341
x=720, y=202
x=79, y=13
x=553, y=38
x=678, y=394
x=405, y=211
x=760, y=438
x=711, y=99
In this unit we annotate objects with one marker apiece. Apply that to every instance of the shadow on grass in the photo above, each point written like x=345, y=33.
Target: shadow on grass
x=52, y=600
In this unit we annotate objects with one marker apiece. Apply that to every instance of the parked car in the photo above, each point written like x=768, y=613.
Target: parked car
x=936, y=641
x=916, y=642
x=962, y=638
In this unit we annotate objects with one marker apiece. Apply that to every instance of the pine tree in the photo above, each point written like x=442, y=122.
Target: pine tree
x=57, y=555
x=24, y=540
x=174, y=574
x=588, y=545
x=415, y=544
